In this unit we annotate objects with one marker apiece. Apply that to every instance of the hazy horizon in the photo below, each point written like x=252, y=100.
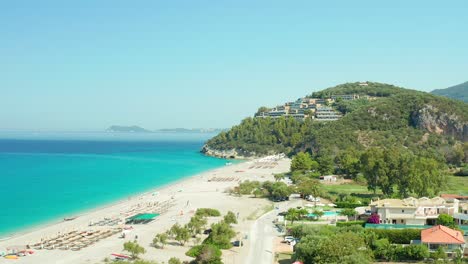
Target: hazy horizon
x=87, y=65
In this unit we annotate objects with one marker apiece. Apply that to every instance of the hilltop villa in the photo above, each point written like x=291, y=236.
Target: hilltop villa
x=412, y=211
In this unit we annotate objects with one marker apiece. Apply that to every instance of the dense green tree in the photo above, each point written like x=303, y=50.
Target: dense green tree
x=309, y=187
x=160, y=239
x=196, y=224
x=230, y=218
x=344, y=247
x=349, y=212
x=220, y=236
x=446, y=220
x=348, y=162
x=301, y=162
x=326, y=164
x=180, y=233
x=134, y=249
x=278, y=176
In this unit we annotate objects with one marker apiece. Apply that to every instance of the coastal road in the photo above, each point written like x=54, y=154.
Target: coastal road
x=262, y=235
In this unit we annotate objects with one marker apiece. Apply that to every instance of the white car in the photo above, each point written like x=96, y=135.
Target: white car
x=313, y=199
x=289, y=239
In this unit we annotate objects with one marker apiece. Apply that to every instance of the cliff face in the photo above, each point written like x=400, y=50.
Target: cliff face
x=429, y=118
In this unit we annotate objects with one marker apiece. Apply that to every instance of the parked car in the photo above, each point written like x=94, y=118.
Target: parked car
x=207, y=231
x=237, y=243
x=288, y=239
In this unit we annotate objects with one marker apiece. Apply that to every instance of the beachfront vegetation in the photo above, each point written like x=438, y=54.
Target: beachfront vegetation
x=230, y=218
x=134, y=249
x=174, y=261
x=272, y=190
x=160, y=240
x=196, y=224
x=180, y=233
x=207, y=212
x=220, y=236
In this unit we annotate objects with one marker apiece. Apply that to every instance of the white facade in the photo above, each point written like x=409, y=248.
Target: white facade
x=411, y=211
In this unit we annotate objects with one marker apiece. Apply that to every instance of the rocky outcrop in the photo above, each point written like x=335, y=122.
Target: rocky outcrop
x=229, y=154
x=429, y=118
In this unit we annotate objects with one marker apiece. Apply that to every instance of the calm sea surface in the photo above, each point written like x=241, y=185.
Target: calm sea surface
x=45, y=177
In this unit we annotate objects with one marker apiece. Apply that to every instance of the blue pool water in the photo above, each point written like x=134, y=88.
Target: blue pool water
x=326, y=213
x=43, y=178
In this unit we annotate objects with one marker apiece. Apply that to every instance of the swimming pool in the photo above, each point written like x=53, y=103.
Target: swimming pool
x=326, y=213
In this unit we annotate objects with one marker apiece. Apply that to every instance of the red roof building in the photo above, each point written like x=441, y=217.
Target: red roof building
x=439, y=235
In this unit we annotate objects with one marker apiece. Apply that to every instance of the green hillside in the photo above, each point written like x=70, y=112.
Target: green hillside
x=459, y=92
x=422, y=123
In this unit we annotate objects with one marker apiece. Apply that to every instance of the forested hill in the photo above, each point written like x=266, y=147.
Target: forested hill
x=459, y=92
x=393, y=117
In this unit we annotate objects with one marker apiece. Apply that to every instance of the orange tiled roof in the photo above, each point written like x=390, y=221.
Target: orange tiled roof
x=442, y=235
x=453, y=196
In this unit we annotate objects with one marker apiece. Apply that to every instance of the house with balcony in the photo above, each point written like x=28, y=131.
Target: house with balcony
x=412, y=211
x=441, y=236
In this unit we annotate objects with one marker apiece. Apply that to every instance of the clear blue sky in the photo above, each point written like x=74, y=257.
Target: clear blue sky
x=85, y=65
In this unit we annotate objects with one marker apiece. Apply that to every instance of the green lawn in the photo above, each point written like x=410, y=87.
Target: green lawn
x=457, y=185
x=347, y=188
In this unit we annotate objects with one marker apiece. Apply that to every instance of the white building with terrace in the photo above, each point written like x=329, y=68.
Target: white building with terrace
x=412, y=211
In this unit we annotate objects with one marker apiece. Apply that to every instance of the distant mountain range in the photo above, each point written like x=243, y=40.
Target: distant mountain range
x=459, y=92
x=137, y=129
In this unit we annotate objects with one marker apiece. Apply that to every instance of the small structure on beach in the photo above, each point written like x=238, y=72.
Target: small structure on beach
x=141, y=218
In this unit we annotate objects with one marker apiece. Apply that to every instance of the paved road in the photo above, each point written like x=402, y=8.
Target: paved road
x=261, y=240
x=263, y=233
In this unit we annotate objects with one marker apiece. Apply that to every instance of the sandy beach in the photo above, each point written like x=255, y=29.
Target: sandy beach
x=176, y=203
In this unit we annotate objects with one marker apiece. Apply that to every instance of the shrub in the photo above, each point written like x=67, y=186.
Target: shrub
x=349, y=205
x=398, y=236
x=207, y=212
x=374, y=219
x=351, y=223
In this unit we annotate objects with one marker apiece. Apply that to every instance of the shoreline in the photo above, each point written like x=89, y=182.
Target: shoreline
x=86, y=212
x=177, y=202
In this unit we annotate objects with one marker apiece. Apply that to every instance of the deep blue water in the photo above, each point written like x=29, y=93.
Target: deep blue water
x=43, y=178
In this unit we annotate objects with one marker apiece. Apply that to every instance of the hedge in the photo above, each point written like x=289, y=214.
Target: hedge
x=349, y=205
x=398, y=236
x=350, y=223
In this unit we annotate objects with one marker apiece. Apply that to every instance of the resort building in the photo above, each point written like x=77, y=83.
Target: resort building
x=442, y=236
x=412, y=211
x=346, y=97
x=325, y=113
x=316, y=108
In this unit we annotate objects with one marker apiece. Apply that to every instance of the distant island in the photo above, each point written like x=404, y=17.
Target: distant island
x=138, y=129
x=128, y=129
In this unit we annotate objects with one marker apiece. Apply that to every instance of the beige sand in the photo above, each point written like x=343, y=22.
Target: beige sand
x=204, y=190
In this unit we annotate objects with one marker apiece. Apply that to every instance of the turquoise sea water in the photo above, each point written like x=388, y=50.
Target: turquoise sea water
x=44, y=178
